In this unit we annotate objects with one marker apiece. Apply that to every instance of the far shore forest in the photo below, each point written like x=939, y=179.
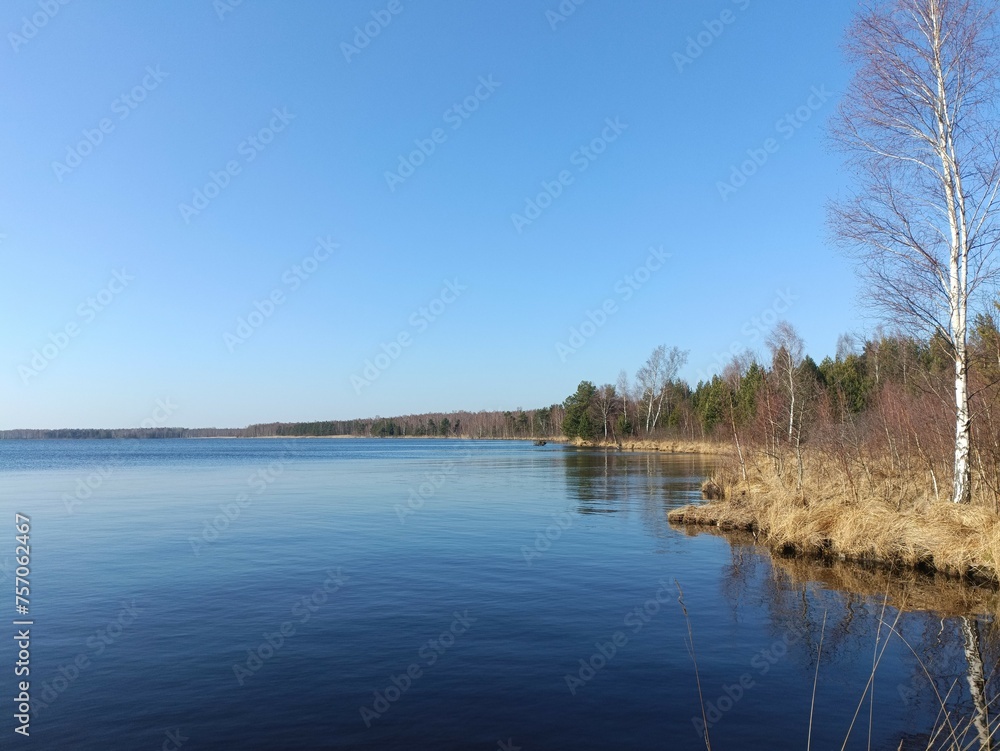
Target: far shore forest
x=885, y=398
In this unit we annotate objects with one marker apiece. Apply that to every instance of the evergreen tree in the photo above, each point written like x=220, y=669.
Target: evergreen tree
x=579, y=421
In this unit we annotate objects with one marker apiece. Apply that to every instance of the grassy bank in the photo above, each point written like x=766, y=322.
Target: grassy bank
x=669, y=446
x=886, y=519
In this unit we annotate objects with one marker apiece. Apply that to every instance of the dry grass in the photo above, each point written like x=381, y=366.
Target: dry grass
x=669, y=446
x=840, y=520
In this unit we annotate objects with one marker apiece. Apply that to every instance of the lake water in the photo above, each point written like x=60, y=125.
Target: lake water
x=367, y=594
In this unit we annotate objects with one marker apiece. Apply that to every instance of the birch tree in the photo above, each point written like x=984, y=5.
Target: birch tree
x=673, y=361
x=734, y=374
x=919, y=127
x=649, y=379
x=606, y=402
x=623, y=391
x=787, y=350
x=655, y=378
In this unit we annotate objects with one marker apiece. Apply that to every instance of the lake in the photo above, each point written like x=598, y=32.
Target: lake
x=399, y=594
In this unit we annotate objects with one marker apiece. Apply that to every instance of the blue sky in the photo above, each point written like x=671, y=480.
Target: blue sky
x=122, y=286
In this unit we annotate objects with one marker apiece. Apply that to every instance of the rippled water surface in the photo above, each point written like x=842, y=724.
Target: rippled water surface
x=367, y=594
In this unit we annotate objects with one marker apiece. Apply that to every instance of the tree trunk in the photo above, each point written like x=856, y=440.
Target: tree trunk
x=958, y=282
x=791, y=394
x=736, y=437
x=962, y=492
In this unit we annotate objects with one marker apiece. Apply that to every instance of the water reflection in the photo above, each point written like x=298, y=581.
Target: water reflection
x=932, y=641
x=612, y=481
x=646, y=484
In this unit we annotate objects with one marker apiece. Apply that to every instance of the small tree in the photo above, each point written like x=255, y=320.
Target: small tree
x=606, y=403
x=743, y=378
x=787, y=360
x=655, y=378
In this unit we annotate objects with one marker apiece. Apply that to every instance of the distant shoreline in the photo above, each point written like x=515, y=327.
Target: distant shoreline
x=561, y=439
x=633, y=445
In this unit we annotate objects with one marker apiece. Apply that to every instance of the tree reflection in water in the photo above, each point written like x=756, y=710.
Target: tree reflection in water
x=614, y=481
x=945, y=632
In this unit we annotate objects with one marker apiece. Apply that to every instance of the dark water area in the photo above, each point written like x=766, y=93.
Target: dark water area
x=378, y=594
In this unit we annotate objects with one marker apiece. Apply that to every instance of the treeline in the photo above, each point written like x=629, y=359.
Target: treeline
x=535, y=423
x=880, y=412
x=122, y=433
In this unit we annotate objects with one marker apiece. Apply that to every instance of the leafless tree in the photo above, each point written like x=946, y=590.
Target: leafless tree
x=919, y=127
x=674, y=361
x=846, y=346
x=787, y=349
x=649, y=379
x=606, y=401
x=623, y=391
x=733, y=375
x=655, y=378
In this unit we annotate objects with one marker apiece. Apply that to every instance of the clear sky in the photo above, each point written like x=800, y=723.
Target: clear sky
x=168, y=167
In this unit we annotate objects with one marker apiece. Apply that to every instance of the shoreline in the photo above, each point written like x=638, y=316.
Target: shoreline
x=665, y=445
x=373, y=438
x=960, y=541
x=640, y=445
